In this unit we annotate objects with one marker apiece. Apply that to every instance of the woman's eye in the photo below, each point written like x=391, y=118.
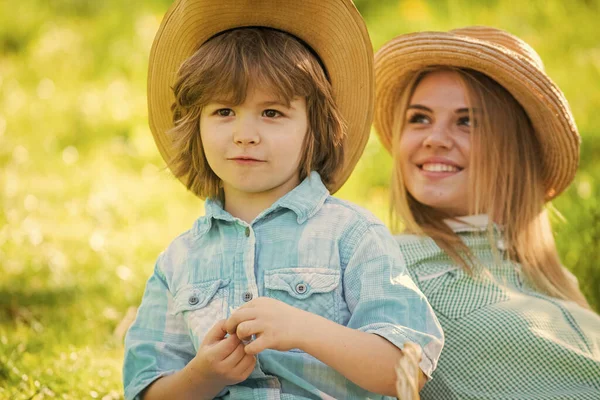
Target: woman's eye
x=418, y=119
x=224, y=112
x=271, y=113
x=466, y=121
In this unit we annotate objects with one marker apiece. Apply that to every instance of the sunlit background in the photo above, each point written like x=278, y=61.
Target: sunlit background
x=86, y=205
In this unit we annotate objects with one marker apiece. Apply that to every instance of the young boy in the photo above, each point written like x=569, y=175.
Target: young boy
x=280, y=291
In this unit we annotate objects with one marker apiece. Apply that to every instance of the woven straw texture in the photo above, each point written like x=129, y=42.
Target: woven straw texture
x=332, y=28
x=503, y=57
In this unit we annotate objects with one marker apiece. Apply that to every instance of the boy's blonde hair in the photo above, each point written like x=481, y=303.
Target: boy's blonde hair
x=505, y=183
x=222, y=68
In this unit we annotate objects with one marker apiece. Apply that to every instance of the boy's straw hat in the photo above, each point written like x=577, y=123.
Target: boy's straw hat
x=503, y=57
x=334, y=29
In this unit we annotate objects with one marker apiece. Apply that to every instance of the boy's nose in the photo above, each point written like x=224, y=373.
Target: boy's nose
x=246, y=133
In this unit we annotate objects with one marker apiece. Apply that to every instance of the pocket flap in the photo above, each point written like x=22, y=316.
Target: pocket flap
x=194, y=296
x=454, y=293
x=433, y=279
x=301, y=283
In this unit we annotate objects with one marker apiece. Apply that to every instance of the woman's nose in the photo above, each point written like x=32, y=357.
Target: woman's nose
x=439, y=136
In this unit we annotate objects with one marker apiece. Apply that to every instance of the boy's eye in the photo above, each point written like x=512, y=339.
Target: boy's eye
x=224, y=112
x=418, y=118
x=271, y=113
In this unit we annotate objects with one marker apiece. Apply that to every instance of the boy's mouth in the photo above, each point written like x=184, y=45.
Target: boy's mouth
x=246, y=160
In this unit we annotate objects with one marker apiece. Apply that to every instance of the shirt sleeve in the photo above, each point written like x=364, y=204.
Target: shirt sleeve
x=158, y=343
x=384, y=300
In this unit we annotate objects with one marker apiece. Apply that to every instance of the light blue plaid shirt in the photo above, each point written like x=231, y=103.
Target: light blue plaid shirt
x=310, y=250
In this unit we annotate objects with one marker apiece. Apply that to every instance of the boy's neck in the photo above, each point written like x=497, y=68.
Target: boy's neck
x=247, y=206
x=247, y=210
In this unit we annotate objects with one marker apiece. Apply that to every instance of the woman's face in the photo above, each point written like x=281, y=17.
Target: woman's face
x=435, y=144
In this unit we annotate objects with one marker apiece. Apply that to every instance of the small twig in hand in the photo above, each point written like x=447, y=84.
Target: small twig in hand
x=407, y=373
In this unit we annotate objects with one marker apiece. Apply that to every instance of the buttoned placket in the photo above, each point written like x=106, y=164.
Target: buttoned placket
x=247, y=244
x=502, y=249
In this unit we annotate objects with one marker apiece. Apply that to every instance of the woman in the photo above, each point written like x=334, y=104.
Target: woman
x=482, y=139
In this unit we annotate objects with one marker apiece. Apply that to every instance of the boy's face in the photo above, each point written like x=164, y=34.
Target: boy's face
x=255, y=147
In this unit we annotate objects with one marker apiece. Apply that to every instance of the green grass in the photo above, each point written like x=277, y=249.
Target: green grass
x=86, y=206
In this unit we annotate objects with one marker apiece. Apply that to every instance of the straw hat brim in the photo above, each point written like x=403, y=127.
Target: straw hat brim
x=333, y=29
x=398, y=60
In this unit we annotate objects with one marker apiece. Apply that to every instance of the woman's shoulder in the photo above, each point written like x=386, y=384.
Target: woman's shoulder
x=417, y=248
x=410, y=239
x=425, y=260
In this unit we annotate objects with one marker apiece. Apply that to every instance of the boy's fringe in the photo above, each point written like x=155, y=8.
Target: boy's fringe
x=407, y=373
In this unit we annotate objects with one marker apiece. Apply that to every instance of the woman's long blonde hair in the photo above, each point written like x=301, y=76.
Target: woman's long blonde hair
x=505, y=182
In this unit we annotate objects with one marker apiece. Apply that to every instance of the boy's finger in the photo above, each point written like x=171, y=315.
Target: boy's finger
x=225, y=347
x=235, y=356
x=239, y=316
x=246, y=364
x=215, y=334
x=246, y=329
x=256, y=346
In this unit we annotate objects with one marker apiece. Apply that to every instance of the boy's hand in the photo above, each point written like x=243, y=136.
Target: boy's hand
x=275, y=324
x=221, y=361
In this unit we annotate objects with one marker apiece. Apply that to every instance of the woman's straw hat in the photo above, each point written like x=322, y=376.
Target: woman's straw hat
x=334, y=29
x=503, y=57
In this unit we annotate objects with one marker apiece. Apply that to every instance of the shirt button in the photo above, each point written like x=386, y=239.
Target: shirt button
x=247, y=296
x=193, y=300
x=247, y=231
x=301, y=288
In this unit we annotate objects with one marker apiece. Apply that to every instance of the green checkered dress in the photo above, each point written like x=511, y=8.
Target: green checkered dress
x=504, y=340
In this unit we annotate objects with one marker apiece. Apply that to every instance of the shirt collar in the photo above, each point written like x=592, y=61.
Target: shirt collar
x=305, y=200
x=469, y=223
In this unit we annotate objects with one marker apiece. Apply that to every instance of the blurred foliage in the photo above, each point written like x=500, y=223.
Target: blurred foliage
x=86, y=204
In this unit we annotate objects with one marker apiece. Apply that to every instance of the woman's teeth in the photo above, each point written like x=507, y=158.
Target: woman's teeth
x=440, y=168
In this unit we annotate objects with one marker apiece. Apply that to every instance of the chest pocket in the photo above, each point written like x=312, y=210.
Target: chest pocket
x=202, y=305
x=454, y=293
x=309, y=289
